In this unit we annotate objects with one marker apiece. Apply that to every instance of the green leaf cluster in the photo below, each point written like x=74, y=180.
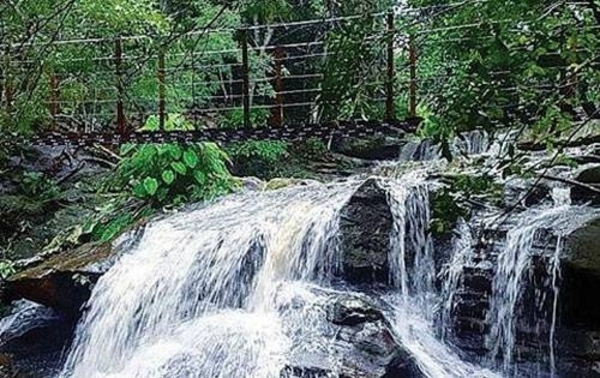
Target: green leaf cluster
x=172, y=174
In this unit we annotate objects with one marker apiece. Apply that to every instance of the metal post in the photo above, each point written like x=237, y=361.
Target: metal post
x=412, y=108
x=246, y=77
x=389, y=106
x=120, y=90
x=277, y=110
x=54, y=95
x=162, y=116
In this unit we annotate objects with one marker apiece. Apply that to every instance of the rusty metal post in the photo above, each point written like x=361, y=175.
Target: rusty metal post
x=389, y=105
x=412, y=107
x=246, y=77
x=54, y=95
x=121, y=126
x=162, y=115
x=277, y=110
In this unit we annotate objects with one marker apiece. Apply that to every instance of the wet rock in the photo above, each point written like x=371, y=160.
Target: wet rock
x=349, y=337
x=375, y=148
x=366, y=224
x=589, y=175
x=62, y=281
x=375, y=347
x=581, y=277
x=37, y=350
x=280, y=183
x=251, y=184
x=352, y=311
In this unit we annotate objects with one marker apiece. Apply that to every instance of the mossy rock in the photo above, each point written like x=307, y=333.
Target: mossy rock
x=62, y=280
x=280, y=183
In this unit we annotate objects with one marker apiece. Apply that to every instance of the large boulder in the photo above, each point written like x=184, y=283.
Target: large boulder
x=63, y=280
x=366, y=225
x=589, y=176
x=349, y=337
x=581, y=278
x=33, y=339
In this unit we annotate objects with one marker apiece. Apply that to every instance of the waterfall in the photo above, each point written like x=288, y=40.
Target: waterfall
x=462, y=254
x=475, y=142
x=236, y=288
x=513, y=263
x=198, y=292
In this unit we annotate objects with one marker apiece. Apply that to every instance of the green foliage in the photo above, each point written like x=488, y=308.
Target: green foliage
x=445, y=212
x=38, y=186
x=170, y=174
x=506, y=63
x=262, y=158
x=266, y=150
x=7, y=269
x=310, y=149
x=450, y=202
x=235, y=118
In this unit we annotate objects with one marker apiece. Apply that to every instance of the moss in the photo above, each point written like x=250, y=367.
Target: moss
x=71, y=261
x=280, y=183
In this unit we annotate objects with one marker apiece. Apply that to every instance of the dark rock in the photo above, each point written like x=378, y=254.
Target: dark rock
x=353, y=311
x=62, y=281
x=589, y=175
x=403, y=366
x=581, y=277
x=537, y=195
x=366, y=224
x=37, y=352
x=375, y=148
x=251, y=184
x=361, y=342
x=305, y=372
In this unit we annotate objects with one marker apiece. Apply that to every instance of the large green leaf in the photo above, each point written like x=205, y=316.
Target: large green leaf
x=150, y=185
x=168, y=176
x=174, y=151
x=139, y=190
x=190, y=158
x=179, y=167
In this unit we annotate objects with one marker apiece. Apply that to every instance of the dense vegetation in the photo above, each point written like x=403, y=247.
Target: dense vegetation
x=482, y=64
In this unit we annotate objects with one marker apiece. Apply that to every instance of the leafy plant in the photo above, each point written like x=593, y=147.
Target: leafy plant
x=262, y=158
x=235, y=118
x=37, y=185
x=170, y=174
x=7, y=269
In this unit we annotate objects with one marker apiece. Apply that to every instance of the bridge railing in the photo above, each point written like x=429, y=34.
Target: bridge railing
x=250, y=76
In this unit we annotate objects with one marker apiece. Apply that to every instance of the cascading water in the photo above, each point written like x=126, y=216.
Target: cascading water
x=239, y=287
x=513, y=263
x=231, y=289
x=197, y=292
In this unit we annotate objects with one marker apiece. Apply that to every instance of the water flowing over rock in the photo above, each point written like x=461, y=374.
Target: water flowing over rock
x=250, y=287
x=337, y=280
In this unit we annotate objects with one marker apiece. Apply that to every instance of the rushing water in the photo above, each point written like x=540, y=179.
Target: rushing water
x=513, y=263
x=238, y=287
x=208, y=293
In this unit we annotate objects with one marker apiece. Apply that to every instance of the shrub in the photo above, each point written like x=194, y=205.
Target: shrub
x=170, y=174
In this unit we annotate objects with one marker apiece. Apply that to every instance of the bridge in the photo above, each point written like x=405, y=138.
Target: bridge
x=296, y=80
x=108, y=90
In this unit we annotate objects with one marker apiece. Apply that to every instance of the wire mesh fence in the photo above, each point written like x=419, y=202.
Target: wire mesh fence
x=308, y=71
